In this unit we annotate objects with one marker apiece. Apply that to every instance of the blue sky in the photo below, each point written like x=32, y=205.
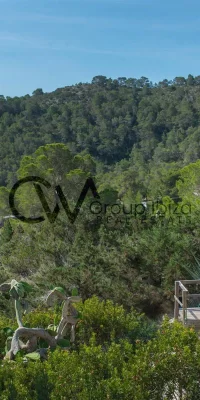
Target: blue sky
x=54, y=43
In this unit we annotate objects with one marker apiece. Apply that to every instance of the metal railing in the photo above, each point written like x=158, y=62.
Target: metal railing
x=181, y=290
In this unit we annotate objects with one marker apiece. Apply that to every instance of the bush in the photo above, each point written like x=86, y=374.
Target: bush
x=117, y=360
x=108, y=321
x=7, y=326
x=167, y=365
x=41, y=318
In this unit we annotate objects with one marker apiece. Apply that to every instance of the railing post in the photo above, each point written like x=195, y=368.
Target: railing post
x=184, y=297
x=176, y=306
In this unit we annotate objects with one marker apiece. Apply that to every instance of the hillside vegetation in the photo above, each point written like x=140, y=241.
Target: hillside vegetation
x=139, y=142
x=109, y=119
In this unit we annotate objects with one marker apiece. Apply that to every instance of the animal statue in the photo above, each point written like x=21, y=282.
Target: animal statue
x=69, y=313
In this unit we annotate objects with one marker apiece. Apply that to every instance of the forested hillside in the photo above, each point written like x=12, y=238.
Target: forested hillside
x=109, y=119
x=136, y=144
x=140, y=143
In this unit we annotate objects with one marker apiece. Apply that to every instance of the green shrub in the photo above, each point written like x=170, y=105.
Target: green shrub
x=7, y=326
x=166, y=365
x=108, y=366
x=41, y=318
x=107, y=320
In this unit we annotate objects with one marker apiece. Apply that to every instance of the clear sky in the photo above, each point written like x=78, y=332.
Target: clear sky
x=54, y=43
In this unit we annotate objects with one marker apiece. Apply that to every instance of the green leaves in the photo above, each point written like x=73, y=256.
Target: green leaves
x=7, y=331
x=19, y=289
x=33, y=356
x=52, y=330
x=27, y=288
x=75, y=292
x=63, y=343
x=60, y=289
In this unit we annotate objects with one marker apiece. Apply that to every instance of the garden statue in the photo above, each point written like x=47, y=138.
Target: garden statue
x=18, y=291
x=69, y=313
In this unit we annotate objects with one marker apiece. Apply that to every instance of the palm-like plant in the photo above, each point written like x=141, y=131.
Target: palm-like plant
x=194, y=269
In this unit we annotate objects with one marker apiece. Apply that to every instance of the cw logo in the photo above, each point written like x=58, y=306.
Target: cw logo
x=51, y=215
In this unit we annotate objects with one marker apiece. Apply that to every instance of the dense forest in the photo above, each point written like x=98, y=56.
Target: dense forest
x=139, y=142
x=112, y=120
